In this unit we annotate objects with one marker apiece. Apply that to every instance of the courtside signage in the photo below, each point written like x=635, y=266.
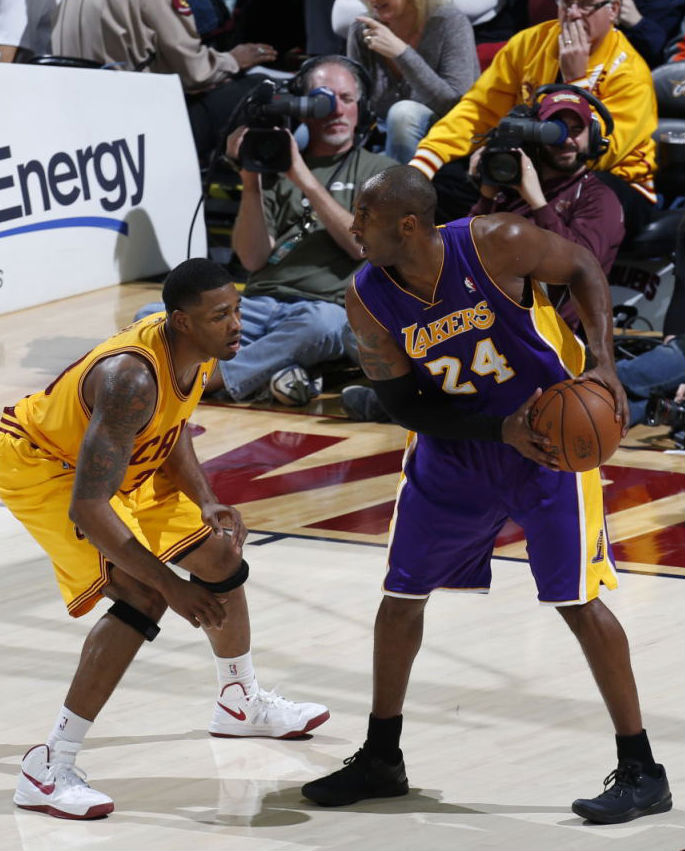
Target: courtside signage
x=98, y=181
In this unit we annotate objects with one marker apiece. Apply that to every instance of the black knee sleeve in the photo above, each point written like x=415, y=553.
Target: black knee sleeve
x=139, y=621
x=233, y=581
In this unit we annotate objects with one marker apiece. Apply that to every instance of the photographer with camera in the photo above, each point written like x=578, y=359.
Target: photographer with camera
x=552, y=184
x=583, y=48
x=292, y=235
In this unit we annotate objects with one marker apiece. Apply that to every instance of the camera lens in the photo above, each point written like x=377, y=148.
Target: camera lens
x=504, y=167
x=662, y=411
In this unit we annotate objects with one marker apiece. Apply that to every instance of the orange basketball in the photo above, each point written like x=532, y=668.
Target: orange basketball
x=578, y=418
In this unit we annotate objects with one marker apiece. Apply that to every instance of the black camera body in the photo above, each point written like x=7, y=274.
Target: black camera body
x=500, y=163
x=268, y=111
x=663, y=411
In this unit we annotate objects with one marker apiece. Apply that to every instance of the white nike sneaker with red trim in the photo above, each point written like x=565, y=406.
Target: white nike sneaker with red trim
x=49, y=782
x=255, y=712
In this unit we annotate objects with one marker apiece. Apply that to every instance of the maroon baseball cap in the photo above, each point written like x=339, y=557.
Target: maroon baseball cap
x=565, y=99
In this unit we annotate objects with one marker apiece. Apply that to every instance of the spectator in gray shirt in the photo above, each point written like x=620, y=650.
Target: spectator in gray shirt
x=421, y=57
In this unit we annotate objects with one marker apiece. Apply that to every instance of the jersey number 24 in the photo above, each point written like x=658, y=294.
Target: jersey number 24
x=486, y=360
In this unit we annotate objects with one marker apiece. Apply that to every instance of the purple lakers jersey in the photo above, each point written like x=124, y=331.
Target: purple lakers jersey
x=471, y=341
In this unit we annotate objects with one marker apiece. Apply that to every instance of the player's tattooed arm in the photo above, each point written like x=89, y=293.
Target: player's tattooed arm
x=124, y=394
x=381, y=358
x=374, y=360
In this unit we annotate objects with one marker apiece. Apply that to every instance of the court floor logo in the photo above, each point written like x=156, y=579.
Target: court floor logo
x=107, y=176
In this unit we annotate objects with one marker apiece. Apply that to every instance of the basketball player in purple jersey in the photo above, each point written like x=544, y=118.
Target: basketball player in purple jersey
x=459, y=340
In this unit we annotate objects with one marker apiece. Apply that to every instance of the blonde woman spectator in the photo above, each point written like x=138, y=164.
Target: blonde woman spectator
x=478, y=12
x=421, y=57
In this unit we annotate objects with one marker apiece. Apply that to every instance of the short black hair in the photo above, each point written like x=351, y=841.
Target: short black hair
x=404, y=190
x=185, y=284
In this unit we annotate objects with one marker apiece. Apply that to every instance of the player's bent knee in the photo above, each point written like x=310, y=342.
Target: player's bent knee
x=235, y=580
x=134, y=618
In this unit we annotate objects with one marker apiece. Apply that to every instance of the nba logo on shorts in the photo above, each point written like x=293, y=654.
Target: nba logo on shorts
x=599, y=550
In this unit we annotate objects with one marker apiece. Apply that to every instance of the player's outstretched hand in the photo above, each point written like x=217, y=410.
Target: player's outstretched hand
x=194, y=603
x=516, y=431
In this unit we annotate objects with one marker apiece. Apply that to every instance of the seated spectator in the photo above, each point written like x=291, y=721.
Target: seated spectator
x=292, y=235
x=582, y=47
x=421, y=57
x=25, y=28
x=141, y=35
x=558, y=193
x=493, y=21
x=649, y=25
x=479, y=12
x=659, y=371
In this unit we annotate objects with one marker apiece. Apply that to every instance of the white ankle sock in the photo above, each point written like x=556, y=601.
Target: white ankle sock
x=237, y=669
x=69, y=727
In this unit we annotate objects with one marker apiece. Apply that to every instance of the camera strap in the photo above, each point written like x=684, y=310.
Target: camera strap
x=306, y=224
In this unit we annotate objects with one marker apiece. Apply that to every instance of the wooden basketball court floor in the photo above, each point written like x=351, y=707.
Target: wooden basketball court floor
x=503, y=724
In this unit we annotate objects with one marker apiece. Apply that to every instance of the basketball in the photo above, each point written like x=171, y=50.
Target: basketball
x=578, y=418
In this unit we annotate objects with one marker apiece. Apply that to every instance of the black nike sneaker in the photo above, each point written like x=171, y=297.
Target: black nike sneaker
x=364, y=776
x=632, y=795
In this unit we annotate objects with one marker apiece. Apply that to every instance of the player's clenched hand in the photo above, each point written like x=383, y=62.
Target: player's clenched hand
x=223, y=518
x=194, y=603
x=516, y=431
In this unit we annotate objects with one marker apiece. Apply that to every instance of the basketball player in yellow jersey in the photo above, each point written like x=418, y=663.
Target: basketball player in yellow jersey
x=100, y=469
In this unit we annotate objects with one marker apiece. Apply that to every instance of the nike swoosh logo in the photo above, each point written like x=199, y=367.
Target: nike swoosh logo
x=46, y=790
x=239, y=715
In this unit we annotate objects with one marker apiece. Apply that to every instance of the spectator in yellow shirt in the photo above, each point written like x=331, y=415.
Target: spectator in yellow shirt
x=581, y=47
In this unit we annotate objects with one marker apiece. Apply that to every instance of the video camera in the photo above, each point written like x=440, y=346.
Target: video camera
x=500, y=163
x=268, y=110
x=663, y=411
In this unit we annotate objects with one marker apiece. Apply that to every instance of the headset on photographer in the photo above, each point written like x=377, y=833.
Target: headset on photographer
x=598, y=142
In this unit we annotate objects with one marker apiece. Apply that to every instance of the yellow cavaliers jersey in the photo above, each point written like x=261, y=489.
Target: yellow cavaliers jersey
x=55, y=419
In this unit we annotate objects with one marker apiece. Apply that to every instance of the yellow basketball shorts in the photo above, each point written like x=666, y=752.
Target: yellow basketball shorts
x=37, y=490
